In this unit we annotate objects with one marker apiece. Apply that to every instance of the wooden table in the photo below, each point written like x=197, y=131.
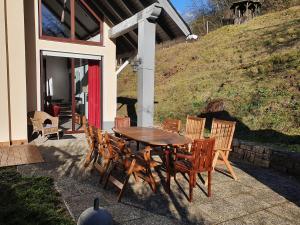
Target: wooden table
x=155, y=137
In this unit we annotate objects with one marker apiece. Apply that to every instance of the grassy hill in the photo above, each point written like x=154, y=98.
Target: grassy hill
x=250, y=70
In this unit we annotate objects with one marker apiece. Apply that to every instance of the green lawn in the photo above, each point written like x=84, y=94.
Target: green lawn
x=30, y=201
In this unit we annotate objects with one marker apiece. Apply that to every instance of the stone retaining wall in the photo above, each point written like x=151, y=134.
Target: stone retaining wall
x=266, y=156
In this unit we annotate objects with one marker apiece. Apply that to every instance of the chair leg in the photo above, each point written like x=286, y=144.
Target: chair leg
x=229, y=167
x=214, y=163
x=109, y=174
x=191, y=186
x=152, y=181
x=209, y=184
x=130, y=171
x=215, y=160
x=136, y=177
x=102, y=175
x=123, y=188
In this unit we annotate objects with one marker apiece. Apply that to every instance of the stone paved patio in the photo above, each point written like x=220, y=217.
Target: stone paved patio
x=260, y=196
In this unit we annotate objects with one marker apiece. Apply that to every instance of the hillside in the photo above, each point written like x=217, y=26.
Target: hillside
x=251, y=71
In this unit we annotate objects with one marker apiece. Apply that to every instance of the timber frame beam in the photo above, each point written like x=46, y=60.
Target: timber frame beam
x=151, y=13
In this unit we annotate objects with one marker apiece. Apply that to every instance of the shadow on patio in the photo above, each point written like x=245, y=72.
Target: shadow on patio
x=257, y=191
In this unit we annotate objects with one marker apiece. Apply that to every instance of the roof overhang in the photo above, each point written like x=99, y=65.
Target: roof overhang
x=170, y=25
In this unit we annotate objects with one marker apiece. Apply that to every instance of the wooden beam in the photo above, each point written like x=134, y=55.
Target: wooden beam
x=76, y=19
x=126, y=5
x=170, y=10
x=150, y=13
x=57, y=16
x=160, y=25
x=72, y=7
x=90, y=10
x=111, y=17
x=120, y=18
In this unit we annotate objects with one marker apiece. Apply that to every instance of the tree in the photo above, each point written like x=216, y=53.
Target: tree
x=215, y=10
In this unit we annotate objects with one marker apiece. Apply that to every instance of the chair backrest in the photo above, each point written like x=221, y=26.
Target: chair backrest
x=41, y=116
x=115, y=145
x=171, y=125
x=122, y=122
x=223, y=132
x=203, y=150
x=194, y=127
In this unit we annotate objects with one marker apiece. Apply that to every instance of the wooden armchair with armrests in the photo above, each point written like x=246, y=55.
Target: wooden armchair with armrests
x=198, y=161
x=223, y=132
x=122, y=159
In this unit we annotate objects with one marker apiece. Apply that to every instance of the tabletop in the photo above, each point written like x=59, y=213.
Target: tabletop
x=152, y=136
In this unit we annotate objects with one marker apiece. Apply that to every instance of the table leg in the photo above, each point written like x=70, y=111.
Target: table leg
x=137, y=146
x=167, y=152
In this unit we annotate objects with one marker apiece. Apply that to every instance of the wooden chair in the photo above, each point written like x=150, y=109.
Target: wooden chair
x=105, y=155
x=172, y=125
x=194, y=128
x=123, y=160
x=200, y=160
x=122, y=122
x=223, y=132
x=91, y=140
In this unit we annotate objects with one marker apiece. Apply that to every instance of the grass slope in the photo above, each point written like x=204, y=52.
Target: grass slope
x=30, y=201
x=253, y=68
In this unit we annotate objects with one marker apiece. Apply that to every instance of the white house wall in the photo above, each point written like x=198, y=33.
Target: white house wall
x=14, y=51
x=4, y=119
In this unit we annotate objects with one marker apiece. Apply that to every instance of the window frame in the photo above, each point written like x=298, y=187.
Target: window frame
x=72, y=38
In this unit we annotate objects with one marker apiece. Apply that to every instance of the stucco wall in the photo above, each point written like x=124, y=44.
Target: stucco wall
x=31, y=66
x=16, y=69
x=4, y=118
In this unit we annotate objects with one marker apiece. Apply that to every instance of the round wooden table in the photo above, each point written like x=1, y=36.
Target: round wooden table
x=155, y=137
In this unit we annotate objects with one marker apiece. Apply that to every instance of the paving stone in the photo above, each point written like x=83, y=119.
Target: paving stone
x=155, y=220
x=221, y=210
x=247, y=202
x=288, y=210
x=122, y=213
x=77, y=204
x=269, y=196
x=261, y=217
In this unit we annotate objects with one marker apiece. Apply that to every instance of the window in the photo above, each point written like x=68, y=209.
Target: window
x=70, y=21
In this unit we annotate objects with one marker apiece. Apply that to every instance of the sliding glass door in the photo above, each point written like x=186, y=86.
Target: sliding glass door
x=72, y=88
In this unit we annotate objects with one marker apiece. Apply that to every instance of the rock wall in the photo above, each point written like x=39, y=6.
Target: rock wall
x=266, y=156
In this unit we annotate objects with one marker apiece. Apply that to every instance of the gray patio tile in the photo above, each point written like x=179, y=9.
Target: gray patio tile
x=288, y=210
x=122, y=213
x=259, y=218
x=155, y=220
x=69, y=187
x=220, y=210
x=247, y=203
x=269, y=196
x=227, y=189
x=77, y=204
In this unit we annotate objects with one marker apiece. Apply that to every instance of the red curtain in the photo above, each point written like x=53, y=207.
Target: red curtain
x=94, y=93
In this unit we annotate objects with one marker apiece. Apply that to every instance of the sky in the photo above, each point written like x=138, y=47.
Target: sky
x=181, y=5
x=184, y=7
